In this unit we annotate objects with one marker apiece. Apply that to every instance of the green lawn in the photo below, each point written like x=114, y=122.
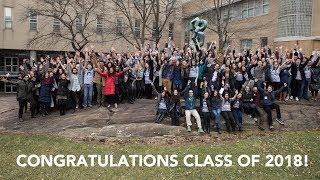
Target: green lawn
x=304, y=143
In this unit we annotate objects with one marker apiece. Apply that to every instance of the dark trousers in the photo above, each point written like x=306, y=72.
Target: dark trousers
x=206, y=117
x=33, y=107
x=160, y=115
x=148, y=91
x=228, y=117
x=268, y=109
x=62, y=106
x=140, y=88
x=250, y=108
x=295, y=87
x=111, y=99
x=45, y=106
x=22, y=103
x=130, y=91
x=76, y=99
x=175, y=117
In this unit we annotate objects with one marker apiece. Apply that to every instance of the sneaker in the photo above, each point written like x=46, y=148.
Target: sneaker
x=297, y=99
x=189, y=129
x=280, y=121
x=271, y=128
x=291, y=97
x=255, y=120
x=200, y=130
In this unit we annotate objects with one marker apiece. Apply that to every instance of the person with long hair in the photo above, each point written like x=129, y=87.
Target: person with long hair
x=226, y=111
x=62, y=93
x=162, y=106
x=109, y=88
x=216, y=102
x=175, y=109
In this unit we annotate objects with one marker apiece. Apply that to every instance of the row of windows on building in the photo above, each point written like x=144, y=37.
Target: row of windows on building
x=246, y=9
x=247, y=44
x=56, y=26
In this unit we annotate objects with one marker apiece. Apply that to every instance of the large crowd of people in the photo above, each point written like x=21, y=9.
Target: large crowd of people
x=204, y=84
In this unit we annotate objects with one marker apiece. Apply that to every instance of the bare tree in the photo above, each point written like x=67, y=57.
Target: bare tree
x=144, y=19
x=162, y=12
x=76, y=22
x=218, y=20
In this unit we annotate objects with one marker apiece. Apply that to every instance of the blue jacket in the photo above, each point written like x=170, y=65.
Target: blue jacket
x=167, y=71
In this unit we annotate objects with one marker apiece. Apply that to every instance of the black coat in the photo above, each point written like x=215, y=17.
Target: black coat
x=22, y=89
x=63, y=87
x=295, y=69
x=209, y=104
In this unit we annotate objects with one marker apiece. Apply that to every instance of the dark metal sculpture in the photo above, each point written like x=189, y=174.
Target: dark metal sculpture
x=197, y=26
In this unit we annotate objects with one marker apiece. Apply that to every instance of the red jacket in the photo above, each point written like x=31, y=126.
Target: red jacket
x=110, y=80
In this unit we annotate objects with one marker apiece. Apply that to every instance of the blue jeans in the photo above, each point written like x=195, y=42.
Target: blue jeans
x=217, y=117
x=305, y=88
x=237, y=114
x=88, y=90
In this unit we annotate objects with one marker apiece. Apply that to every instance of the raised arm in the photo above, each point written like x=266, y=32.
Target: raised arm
x=281, y=89
x=260, y=87
x=103, y=74
x=186, y=89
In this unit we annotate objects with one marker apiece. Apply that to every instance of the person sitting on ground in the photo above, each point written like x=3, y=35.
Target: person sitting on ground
x=268, y=99
x=190, y=107
x=162, y=106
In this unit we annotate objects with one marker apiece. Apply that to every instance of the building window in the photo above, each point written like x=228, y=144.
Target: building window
x=8, y=18
x=79, y=23
x=2, y=66
x=295, y=18
x=246, y=44
x=99, y=24
x=56, y=25
x=119, y=27
x=264, y=41
x=137, y=28
x=33, y=21
x=9, y=65
x=265, y=6
x=248, y=9
x=171, y=28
